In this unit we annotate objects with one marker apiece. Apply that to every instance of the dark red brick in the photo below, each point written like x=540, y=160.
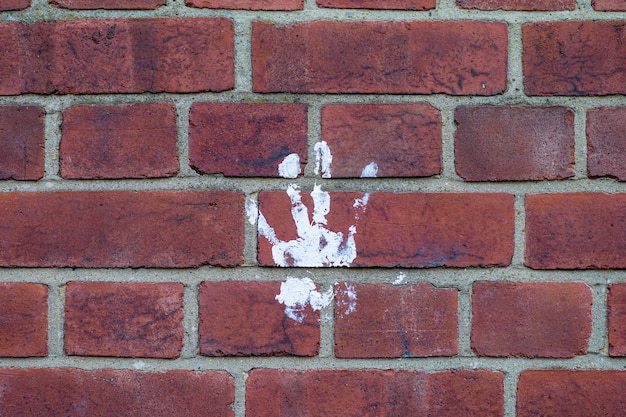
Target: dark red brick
x=574, y=58
x=369, y=393
x=246, y=139
x=23, y=320
x=244, y=318
x=539, y=319
x=524, y=5
x=124, y=319
x=118, y=56
x=14, y=4
x=379, y=4
x=465, y=57
x=575, y=231
x=22, y=143
x=609, y=5
x=108, y=4
x=616, y=305
x=404, y=140
x=403, y=321
x=606, y=140
x=125, y=141
x=571, y=393
x=55, y=392
x=514, y=143
x=248, y=4
x=169, y=229
x=408, y=230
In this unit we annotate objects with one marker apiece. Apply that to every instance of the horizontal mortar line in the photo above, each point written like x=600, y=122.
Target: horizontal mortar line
x=236, y=365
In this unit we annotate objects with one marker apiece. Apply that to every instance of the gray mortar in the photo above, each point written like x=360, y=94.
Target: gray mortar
x=460, y=279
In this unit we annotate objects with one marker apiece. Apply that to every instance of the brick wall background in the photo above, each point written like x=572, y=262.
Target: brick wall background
x=183, y=186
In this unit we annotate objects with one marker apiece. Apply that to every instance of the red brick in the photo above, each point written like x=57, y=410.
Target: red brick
x=408, y=230
x=148, y=55
x=169, y=229
x=404, y=140
x=575, y=231
x=14, y=4
x=617, y=319
x=123, y=319
x=514, y=143
x=606, y=139
x=23, y=320
x=248, y=4
x=571, y=393
x=74, y=392
x=10, y=77
x=379, y=4
x=244, y=318
x=525, y=5
x=539, y=319
x=404, y=321
x=574, y=58
x=125, y=141
x=246, y=139
x=107, y=4
x=380, y=57
x=22, y=143
x=369, y=393
x=609, y=5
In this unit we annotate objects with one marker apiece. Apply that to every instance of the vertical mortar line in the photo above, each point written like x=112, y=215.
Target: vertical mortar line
x=598, y=342
x=314, y=135
x=465, y=320
x=250, y=230
x=448, y=129
x=243, y=54
x=310, y=4
x=511, y=376
x=520, y=232
x=183, y=107
x=239, y=406
x=56, y=319
x=52, y=134
x=515, y=71
x=190, y=320
x=327, y=328
x=580, y=141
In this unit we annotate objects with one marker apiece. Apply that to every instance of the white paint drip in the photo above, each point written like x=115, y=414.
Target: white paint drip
x=298, y=293
x=370, y=170
x=347, y=300
x=323, y=159
x=290, y=167
x=400, y=278
x=315, y=245
x=252, y=211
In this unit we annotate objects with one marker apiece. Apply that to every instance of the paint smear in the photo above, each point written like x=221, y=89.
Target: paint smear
x=290, y=167
x=323, y=159
x=400, y=279
x=252, y=210
x=370, y=170
x=346, y=299
x=298, y=293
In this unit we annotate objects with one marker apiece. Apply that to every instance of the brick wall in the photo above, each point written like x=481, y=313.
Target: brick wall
x=321, y=208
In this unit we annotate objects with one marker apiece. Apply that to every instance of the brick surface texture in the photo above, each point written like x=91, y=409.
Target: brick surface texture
x=249, y=208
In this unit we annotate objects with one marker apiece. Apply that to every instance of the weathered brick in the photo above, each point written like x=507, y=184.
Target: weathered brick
x=571, y=393
x=124, y=141
x=409, y=229
x=22, y=143
x=399, y=321
x=6, y=5
x=379, y=4
x=124, y=319
x=466, y=57
x=23, y=320
x=244, y=318
x=514, y=143
x=539, y=319
x=248, y=139
x=369, y=393
x=149, y=55
x=108, y=4
x=574, y=58
x=170, y=229
x=248, y=4
x=403, y=140
x=606, y=140
x=525, y=5
x=609, y=5
x=51, y=392
x=575, y=231
x=616, y=305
